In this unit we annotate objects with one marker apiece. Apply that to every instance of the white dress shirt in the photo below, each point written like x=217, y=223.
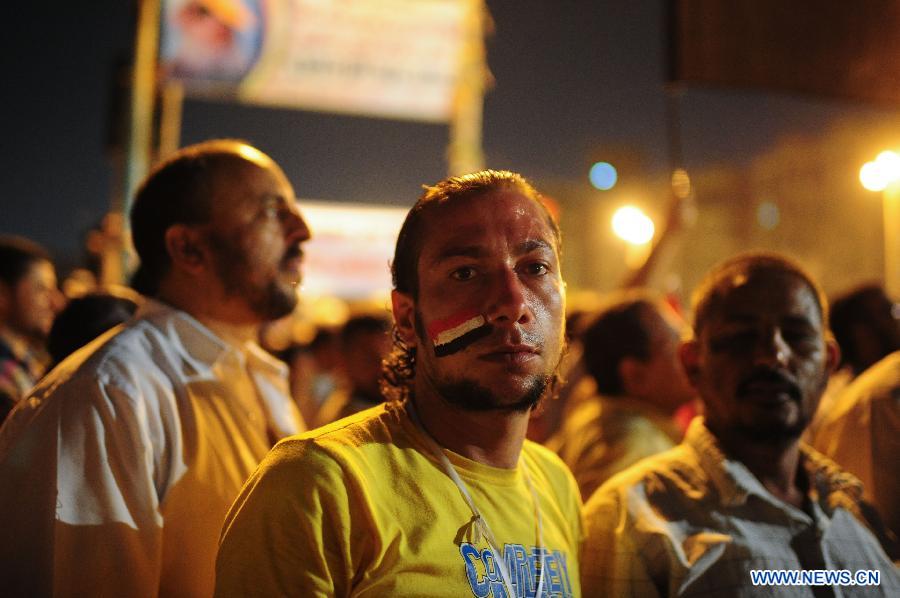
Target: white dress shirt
x=117, y=471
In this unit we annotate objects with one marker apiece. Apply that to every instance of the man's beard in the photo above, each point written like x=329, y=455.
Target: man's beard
x=775, y=434
x=471, y=396
x=775, y=431
x=270, y=301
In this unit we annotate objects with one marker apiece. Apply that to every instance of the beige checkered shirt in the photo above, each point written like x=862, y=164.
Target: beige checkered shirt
x=690, y=522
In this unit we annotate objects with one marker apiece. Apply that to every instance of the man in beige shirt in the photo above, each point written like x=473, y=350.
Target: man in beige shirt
x=631, y=352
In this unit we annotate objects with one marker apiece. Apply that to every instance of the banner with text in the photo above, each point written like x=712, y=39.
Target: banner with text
x=388, y=58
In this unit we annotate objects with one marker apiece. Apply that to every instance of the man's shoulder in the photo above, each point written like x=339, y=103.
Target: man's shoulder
x=118, y=360
x=875, y=389
x=131, y=348
x=672, y=473
x=879, y=382
x=374, y=430
x=363, y=451
x=544, y=457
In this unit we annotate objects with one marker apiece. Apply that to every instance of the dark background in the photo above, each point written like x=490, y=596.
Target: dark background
x=575, y=82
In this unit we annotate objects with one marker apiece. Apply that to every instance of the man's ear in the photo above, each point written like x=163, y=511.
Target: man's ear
x=404, y=309
x=185, y=247
x=689, y=355
x=832, y=353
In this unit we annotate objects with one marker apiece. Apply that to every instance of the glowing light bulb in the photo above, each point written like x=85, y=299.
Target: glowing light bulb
x=633, y=226
x=872, y=177
x=890, y=163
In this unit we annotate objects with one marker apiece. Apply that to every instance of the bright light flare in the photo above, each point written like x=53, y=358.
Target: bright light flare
x=633, y=226
x=883, y=171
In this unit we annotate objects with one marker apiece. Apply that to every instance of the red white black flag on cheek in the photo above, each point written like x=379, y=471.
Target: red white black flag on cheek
x=457, y=332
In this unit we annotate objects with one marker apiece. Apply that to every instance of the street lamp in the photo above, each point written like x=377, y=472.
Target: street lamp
x=634, y=227
x=883, y=174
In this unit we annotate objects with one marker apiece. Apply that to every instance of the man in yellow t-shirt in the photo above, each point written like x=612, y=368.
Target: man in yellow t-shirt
x=436, y=492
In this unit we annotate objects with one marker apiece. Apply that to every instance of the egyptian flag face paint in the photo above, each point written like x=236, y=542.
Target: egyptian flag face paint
x=457, y=332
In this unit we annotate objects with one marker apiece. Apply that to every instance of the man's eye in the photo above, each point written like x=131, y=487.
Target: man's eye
x=274, y=208
x=802, y=338
x=537, y=269
x=733, y=342
x=464, y=273
x=270, y=209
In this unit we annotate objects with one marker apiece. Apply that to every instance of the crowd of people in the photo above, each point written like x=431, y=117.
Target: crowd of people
x=467, y=443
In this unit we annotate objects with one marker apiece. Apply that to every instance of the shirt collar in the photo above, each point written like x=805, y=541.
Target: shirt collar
x=200, y=345
x=734, y=481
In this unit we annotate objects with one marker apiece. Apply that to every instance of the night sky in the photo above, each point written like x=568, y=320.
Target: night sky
x=574, y=79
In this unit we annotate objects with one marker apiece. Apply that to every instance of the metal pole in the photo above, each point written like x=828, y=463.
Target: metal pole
x=143, y=92
x=891, y=201
x=170, y=118
x=464, y=152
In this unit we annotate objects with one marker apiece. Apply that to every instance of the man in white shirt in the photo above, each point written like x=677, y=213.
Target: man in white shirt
x=117, y=471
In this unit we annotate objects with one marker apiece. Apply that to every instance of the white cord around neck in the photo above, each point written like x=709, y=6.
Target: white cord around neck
x=479, y=518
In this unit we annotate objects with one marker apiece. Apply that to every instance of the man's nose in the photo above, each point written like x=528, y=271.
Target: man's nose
x=295, y=227
x=57, y=300
x=772, y=349
x=507, y=301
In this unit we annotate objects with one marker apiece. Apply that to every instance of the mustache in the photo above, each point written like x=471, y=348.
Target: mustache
x=292, y=252
x=769, y=376
x=513, y=336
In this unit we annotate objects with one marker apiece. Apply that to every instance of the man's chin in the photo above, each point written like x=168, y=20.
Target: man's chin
x=472, y=396
x=279, y=302
x=775, y=432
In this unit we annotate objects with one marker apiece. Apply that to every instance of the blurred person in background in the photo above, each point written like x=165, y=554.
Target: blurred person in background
x=741, y=492
x=861, y=432
x=86, y=317
x=365, y=342
x=117, y=470
x=630, y=349
x=577, y=384
x=866, y=325
x=29, y=300
x=316, y=371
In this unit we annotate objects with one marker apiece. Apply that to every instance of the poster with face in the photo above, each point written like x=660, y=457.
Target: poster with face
x=387, y=58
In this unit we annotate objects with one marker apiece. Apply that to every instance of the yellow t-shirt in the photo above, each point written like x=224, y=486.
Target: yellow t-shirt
x=361, y=507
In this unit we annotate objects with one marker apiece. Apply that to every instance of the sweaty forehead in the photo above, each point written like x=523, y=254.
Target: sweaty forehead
x=765, y=295
x=487, y=222
x=244, y=181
